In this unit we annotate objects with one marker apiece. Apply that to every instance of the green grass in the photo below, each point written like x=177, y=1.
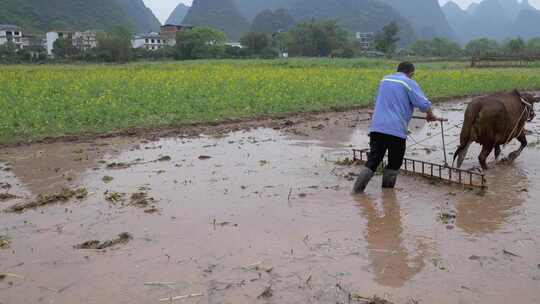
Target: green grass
x=55, y=100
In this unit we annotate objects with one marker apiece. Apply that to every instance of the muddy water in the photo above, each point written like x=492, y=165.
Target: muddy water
x=269, y=208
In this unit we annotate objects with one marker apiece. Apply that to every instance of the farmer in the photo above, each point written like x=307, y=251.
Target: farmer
x=398, y=95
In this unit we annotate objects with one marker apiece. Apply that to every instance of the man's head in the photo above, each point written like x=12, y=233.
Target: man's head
x=406, y=68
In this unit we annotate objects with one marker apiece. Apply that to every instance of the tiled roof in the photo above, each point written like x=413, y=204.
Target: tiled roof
x=9, y=27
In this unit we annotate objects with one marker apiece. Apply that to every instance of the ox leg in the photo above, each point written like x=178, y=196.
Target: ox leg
x=523, y=140
x=486, y=150
x=497, y=152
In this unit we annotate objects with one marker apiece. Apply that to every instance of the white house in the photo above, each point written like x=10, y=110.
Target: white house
x=235, y=44
x=165, y=37
x=83, y=41
x=150, y=41
x=365, y=40
x=11, y=33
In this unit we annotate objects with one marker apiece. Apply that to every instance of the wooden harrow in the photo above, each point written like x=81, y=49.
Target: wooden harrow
x=434, y=171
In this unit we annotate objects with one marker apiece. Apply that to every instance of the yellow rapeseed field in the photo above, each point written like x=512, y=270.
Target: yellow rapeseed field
x=39, y=101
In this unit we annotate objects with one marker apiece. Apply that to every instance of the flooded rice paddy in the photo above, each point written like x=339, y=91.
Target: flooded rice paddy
x=263, y=216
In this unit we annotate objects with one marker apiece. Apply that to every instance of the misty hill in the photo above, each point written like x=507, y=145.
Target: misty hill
x=353, y=15
x=177, y=16
x=513, y=8
x=495, y=19
x=219, y=14
x=141, y=17
x=426, y=17
x=272, y=21
x=456, y=16
x=251, y=8
x=489, y=20
x=472, y=8
x=43, y=15
x=527, y=24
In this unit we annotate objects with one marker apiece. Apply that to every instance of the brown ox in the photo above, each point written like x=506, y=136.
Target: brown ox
x=493, y=121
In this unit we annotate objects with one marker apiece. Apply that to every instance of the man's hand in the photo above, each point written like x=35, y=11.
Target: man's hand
x=431, y=117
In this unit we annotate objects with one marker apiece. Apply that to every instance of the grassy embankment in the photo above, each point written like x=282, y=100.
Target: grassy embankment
x=55, y=100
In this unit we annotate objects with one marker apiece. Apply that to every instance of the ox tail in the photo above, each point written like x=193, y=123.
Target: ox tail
x=466, y=137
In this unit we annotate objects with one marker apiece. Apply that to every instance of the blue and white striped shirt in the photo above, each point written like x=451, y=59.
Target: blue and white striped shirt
x=398, y=96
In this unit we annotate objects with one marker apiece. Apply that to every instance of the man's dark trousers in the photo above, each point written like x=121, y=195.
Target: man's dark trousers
x=380, y=143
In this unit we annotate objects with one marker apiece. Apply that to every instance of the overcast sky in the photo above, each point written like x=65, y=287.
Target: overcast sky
x=163, y=8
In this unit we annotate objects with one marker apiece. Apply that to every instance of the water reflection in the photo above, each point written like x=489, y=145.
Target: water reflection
x=391, y=261
x=481, y=214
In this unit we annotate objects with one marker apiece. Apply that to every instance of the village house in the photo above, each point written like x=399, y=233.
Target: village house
x=150, y=41
x=365, y=40
x=11, y=33
x=169, y=32
x=83, y=41
x=156, y=41
x=34, y=43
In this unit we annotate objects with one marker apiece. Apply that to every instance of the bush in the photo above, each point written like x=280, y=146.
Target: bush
x=269, y=53
x=200, y=43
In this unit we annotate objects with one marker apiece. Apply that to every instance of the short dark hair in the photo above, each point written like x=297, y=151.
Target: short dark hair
x=406, y=67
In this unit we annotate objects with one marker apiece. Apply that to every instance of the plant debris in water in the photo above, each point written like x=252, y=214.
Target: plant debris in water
x=164, y=158
x=107, y=179
x=6, y=197
x=141, y=199
x=122, y=239
x=4, y=242
x=346, y=162
x=447, y=217
x=363, y=300
x=151, y=210
x=267, y=293
x=114, y=197
x=64, y=196
x=118, y=165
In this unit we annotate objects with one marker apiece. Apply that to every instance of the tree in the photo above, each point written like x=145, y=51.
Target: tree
x=255, y=42
x=422, y=48
x=163, y=53
x=63, y=48
x=8, y=53
x=272, y=21
x=515, y=46
x=482, y=47
x=115, y=46
x=387, y=39
x=200, y=43
x=317, y=38
x=443, y=47
x=533, y=47
x=437, y=47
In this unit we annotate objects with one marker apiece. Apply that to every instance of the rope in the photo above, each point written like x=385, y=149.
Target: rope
x=419, y=142
x=527, y=110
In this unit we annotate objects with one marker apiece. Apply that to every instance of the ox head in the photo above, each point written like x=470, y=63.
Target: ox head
x=528, y=97
x=529, y=100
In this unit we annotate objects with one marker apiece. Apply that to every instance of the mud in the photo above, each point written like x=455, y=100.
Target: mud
x=268, y=206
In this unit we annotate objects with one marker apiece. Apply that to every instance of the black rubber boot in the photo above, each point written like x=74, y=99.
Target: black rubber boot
x=362, y=181
x=389, y=178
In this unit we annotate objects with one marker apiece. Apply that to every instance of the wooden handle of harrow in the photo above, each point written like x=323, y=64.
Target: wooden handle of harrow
x=424, y=118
